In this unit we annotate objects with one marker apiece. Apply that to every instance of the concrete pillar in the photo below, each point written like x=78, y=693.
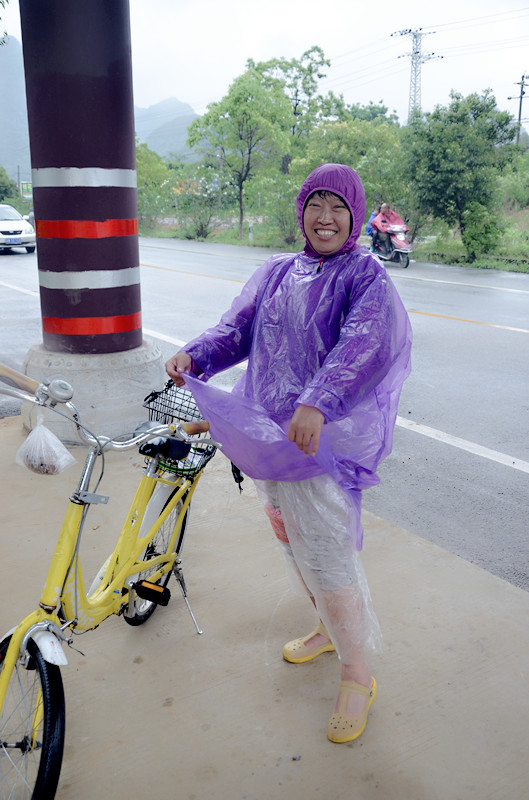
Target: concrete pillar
x=77, y=59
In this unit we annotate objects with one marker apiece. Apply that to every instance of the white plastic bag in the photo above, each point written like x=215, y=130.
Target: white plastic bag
x=43, y=452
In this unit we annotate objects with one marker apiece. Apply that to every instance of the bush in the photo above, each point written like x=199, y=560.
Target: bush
x=481, y=230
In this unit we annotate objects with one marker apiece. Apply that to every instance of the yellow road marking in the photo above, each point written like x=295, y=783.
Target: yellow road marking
x=194, y=274
x=471, y=321
x=409, y=310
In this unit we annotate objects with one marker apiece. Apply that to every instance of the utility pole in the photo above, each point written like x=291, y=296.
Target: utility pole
x=78, y=73
x=418, y=58
x=521, y=84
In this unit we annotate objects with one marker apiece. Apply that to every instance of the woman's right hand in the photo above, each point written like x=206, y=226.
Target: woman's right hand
x=178, y=365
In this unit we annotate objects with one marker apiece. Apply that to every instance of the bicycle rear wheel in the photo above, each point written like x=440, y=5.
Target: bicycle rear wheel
x=158, y=545
x=32, y=723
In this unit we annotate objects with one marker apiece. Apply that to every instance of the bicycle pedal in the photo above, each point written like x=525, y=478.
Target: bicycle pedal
x=152, y=592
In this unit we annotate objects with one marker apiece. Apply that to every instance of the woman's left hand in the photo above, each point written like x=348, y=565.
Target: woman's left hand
x=305, y=428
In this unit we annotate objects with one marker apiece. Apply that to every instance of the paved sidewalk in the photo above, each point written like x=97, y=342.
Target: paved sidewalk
x=221, y=716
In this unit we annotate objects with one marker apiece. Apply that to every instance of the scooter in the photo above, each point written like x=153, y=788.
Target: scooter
x=400, y=247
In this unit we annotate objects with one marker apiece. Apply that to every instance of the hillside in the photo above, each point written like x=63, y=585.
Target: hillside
x=14, y=137
x=162, y=126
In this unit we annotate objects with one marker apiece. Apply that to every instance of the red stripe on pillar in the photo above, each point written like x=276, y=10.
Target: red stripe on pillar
x=83, y=326
x=85, y=228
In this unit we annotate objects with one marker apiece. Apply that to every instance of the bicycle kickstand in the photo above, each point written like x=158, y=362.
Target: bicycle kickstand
x=177, y=569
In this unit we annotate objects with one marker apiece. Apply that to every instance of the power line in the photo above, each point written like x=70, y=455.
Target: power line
x=483, y=20
x=478, y=47
x=418, y=58
x=367, y=77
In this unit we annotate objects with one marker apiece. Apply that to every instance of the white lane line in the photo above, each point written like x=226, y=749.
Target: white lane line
x=416, y=427
x=456, y=283
x=164, y=338
x=180, y=343
x=19, y=289
x=424, y=430
x=463, y=444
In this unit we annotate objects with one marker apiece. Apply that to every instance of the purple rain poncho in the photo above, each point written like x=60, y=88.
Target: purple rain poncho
x=329, y=332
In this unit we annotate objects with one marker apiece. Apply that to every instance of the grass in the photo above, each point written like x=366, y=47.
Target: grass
x=262, y=236
x=511, y=254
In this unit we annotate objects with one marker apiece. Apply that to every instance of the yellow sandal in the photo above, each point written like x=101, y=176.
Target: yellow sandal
x=342, y=728
x=297, y=652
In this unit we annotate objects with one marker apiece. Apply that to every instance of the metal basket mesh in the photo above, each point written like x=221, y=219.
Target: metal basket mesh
x=174, y=404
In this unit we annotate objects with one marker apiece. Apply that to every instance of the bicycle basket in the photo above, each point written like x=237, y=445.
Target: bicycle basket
x=174, y=404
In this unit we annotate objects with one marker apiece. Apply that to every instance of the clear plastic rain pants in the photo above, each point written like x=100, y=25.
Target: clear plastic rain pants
x=317, y=523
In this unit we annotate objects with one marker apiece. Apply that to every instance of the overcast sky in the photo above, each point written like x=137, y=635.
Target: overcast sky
x=194, y=50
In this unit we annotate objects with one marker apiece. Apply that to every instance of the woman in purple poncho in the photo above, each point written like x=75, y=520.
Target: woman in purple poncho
x=328, y=347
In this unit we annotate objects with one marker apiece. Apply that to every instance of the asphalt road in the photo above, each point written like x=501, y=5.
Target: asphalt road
x=458, y=474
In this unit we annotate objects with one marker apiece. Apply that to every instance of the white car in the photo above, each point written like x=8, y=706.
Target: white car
x=15, y=231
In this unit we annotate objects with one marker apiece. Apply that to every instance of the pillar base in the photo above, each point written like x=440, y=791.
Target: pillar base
x=108, y=389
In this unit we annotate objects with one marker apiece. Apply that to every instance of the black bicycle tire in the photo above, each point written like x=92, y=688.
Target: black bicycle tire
x=48, y=676
x=148, y=608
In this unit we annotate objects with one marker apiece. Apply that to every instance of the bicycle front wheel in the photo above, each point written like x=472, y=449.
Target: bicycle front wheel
x=159, y=545
x=32, y=721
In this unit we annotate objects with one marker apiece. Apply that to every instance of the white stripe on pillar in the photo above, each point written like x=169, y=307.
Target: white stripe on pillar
x=90, y=278
x=55, y=177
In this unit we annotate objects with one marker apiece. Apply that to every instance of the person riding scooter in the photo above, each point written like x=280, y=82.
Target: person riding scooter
x=380, y=224
x=370, y=231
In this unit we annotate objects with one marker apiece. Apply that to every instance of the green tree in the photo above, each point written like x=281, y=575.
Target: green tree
x=299, y=78
x=455, y=156
x=199, y=198
x=481, y=230
x=375, y=150
x=334, y=107
x=273, y=194
x=514, y=183
x=8, y=188
x=155, y=181
x=244, y=131
x=3, y=34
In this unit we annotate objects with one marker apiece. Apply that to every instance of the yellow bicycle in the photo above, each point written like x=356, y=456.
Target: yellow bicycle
x=132, y=582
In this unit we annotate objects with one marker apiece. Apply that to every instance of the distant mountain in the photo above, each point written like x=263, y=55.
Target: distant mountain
x=162, y=126
x=14, y=136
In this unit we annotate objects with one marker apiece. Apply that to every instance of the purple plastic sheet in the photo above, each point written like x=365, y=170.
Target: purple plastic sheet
x=346, y=327
x=260, y=448
x=251, y=439
x=329, y=332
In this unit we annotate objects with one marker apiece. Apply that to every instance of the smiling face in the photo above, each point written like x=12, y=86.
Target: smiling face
x=327, y=222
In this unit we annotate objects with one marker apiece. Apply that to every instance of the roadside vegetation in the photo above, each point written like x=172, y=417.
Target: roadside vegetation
x=459, y=175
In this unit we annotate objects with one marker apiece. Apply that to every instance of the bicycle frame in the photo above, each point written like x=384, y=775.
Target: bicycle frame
x=65, y=582
x=64, y=602
x=147, y=549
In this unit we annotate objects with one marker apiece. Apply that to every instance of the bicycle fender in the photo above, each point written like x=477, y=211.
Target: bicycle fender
x=50, y=647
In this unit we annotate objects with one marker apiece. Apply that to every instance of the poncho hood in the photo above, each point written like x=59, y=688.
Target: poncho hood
x=343, y=181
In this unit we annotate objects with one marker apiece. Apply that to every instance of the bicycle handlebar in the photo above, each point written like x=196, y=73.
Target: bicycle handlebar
x=25, y=383
x=182, y=430
x=192, y=428
x=59, y=391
